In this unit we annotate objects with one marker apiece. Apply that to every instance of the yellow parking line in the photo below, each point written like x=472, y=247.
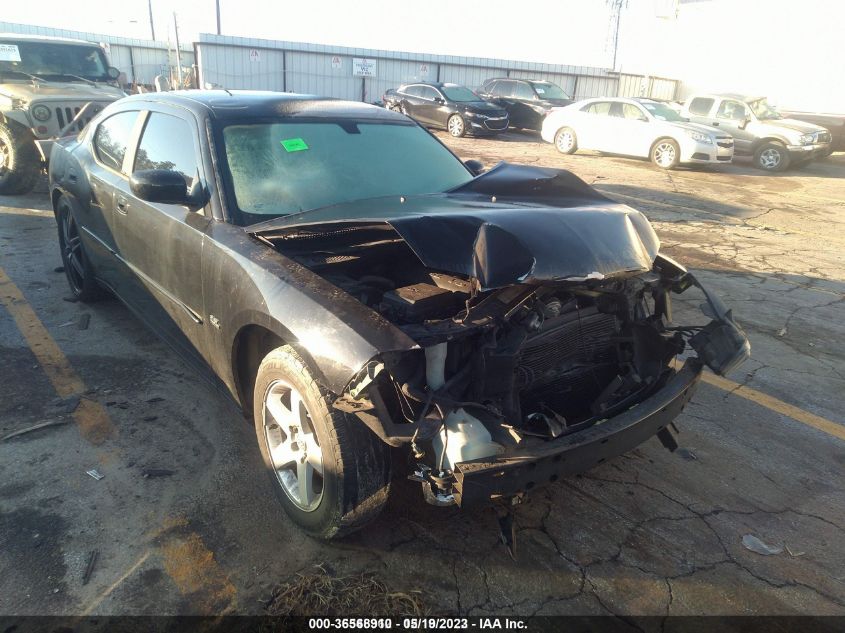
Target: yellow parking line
x=778, y=406
x=93, y=421
x=193, y=568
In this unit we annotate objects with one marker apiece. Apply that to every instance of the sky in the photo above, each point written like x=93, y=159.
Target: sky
x=572, y=32
x=788, y=49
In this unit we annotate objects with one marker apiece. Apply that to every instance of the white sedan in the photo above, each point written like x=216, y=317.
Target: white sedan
x=636, y=127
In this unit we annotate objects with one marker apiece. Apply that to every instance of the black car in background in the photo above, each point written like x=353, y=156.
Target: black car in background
x=527, y=101
x=451, y=106
x=835, y=124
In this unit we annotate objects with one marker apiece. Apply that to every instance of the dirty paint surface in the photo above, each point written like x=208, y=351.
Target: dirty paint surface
x=649, y=533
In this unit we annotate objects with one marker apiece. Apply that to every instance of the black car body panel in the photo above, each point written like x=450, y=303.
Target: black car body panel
x=524, y=100
x=549, y=302
x=503, y=242
x=429, y=104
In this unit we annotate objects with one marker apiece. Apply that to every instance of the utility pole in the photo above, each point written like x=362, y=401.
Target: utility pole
x=178, y=51
x=616, y=7
x=218, y=16
x=152, y=27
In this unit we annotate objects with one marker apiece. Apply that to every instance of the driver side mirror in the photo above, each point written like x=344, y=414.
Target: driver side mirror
x=744, y=123
x=475, y=166
x=439, y=100
x=113, y=72
x=161, y=185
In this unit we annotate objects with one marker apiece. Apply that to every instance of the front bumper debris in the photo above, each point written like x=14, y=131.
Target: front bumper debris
x=544, y=462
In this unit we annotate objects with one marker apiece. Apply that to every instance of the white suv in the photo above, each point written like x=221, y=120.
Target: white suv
x=49, y=87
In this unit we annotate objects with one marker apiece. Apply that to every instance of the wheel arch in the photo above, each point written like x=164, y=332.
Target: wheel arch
x=768, y=139
x=252, y=342
x=665, y=137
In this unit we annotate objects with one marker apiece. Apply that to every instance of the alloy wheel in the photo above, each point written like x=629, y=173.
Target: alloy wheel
x=293, y=445
x=565, y=141
x=770, y=158
x=72, y=251
x=664, y=154
x=456, y=126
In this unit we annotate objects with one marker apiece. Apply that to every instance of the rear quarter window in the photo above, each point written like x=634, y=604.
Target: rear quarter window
x=701, y=105
x=112, y=138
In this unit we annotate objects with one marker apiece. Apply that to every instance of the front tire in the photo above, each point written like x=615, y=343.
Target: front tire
x=456, y=125
x=78, y=270
x=20, y=162
x=329, y=471
x=771, y=157
x=666, y=153
x=565, y=140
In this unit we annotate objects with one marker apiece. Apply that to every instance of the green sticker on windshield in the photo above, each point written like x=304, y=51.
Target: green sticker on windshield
x=294, y=144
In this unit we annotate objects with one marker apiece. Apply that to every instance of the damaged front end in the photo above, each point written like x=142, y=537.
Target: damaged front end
x=543, y=322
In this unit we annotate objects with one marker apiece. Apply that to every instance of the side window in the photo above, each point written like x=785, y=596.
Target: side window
x=168, y=143
x=413, y=91
x=700, y=106
x=630, y=111
x=601, y=108
x=503, y=89
x=732, y=110
x=112, y=137
x=523, y=91
x=427, y=92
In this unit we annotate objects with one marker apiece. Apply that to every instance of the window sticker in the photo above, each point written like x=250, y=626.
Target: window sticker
x=540, y=91
x=294, y=144
x=9, y=53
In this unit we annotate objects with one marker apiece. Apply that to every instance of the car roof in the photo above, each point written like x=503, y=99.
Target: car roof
x=236, y=104
x=433, y=84
x=729, y=95
x=24, y=37
x=530, y=81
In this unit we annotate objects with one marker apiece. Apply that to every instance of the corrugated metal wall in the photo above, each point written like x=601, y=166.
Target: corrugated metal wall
x=140, y=60
x=247, y=63
x=237, y=62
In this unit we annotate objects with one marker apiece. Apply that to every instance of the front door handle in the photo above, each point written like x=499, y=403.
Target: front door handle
x=122, y=205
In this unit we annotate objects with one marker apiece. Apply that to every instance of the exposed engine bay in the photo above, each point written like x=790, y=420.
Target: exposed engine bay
x=544, y=334
x=500, y=367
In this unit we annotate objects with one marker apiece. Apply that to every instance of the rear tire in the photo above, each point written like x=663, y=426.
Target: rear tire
x=565, y=140
x=78, y=269
x=665, y=153
x=771, y=157
x=329, y=471
x=20, y=162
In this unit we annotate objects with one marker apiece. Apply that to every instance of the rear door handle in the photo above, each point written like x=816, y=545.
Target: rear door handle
x=122, y=205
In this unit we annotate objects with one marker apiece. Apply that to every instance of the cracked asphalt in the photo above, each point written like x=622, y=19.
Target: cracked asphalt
x=650, y=533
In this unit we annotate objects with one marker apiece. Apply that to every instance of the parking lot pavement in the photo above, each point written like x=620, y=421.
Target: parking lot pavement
x=652, y=532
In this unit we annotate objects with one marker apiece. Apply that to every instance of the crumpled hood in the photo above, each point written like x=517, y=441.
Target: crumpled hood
x=513, y=224
x=60, y=90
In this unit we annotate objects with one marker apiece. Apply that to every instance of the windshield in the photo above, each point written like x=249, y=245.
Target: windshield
x=661, y=111
x=278, y=168
x=548, y=90
x=52, y=61
x=459, y=93
x=762, y=110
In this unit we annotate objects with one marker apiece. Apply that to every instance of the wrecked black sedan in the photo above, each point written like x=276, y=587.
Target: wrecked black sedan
x=355, y=287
